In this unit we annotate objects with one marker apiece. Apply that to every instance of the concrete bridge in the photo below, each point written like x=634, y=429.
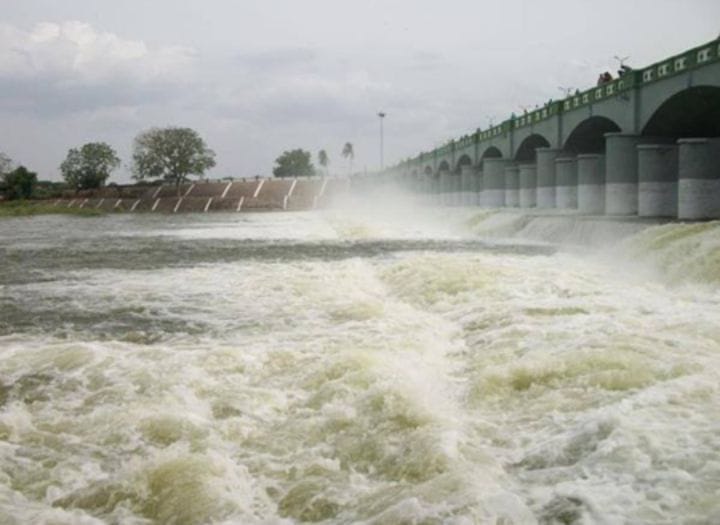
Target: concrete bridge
x=647, y=143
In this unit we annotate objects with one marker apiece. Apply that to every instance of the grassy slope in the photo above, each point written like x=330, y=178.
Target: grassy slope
x=27, y=208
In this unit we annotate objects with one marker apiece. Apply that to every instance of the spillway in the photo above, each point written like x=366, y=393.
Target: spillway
x=402, y=366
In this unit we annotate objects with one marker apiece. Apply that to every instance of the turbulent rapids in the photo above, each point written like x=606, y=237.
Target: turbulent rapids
x=448, y=366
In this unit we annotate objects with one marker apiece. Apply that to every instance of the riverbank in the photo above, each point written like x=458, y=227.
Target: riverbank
x=30, y=208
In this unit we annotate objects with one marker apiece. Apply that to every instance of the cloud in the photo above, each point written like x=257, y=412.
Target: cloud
x=304, y=98
x=68, y=67
x=276, y=59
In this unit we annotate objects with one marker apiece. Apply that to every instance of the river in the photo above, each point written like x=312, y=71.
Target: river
x=386, y=366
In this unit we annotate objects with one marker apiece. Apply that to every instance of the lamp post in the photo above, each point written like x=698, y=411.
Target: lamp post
x=382, y=114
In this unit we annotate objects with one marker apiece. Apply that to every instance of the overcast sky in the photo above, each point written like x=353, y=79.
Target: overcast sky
x=259, y=77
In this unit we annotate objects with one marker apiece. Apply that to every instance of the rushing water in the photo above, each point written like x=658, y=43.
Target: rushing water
x=443, y=367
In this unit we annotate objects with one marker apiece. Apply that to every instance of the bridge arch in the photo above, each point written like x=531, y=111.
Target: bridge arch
x=444, y=166
x=689, y=113
x=464, y=160
x=491, y=153
x=589, y=135
x=526, y=150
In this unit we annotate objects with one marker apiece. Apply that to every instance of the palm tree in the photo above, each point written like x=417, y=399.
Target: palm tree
x=349, y=154
x=323, y=160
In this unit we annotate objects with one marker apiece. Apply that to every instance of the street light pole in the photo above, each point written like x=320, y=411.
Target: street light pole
x=381, y=114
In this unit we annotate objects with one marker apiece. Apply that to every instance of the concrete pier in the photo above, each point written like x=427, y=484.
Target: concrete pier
x=528, y=186
x=437, y=189
x=445, y=188
x=456, y=189
x=591, y=184
x=621, y=172
x=512, y=186
x=566, y=192
x=699, y=178
x=657, y=180
x=467, y=180
x=546, y=176
x=494, y=183
x=477, y=187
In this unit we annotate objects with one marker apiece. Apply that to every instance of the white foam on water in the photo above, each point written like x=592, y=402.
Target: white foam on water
x=415, y=386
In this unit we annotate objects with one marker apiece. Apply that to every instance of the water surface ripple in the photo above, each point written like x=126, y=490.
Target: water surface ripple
x=338, y=368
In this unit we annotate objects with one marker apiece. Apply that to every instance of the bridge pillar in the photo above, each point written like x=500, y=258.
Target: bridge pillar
x=621, y=173
x=494, y=182
x=528, y=186
x=456, y=189
x=477, y=187
x=444, y=188
x=420, y=186
x=426, y=189
x=591, y=184
x=546, y=176
x=433, y=184
x=467, y=180
x=566, y=177
x=699, y=179
x=657, y=180
x=512, y=186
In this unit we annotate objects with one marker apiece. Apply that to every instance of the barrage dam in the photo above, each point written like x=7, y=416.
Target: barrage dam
x=644, y=144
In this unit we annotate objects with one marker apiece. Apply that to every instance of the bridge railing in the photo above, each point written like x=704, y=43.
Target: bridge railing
x=696, y=57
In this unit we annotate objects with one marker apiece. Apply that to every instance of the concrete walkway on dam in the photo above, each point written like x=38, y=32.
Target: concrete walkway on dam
x=213, y=196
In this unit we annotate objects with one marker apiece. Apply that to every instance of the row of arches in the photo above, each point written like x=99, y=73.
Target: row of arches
x=692, y=112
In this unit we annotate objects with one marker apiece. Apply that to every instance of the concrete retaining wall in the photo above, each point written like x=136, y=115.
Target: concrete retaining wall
x=228, y=196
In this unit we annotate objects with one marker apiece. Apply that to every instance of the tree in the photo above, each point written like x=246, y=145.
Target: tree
x=294, y=163
x=171, y=154
x=19, y=183
x=348, y=154
x=323, y=159
x=90, y=166
x=48, y=189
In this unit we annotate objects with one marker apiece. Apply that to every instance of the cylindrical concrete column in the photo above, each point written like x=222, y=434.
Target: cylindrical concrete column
x=456, y=190
x=621, y=173
x=699, y=178
x=528, y=186
x=591, y=184
x=467, y=175
x=546, y=176
x=494, y=182
x=566, y=189
x=477, y=187
x=421, y=183
x=437, y=189
x=430, y=190
x=445, y=187
x=657, y=180
x=512, y=186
